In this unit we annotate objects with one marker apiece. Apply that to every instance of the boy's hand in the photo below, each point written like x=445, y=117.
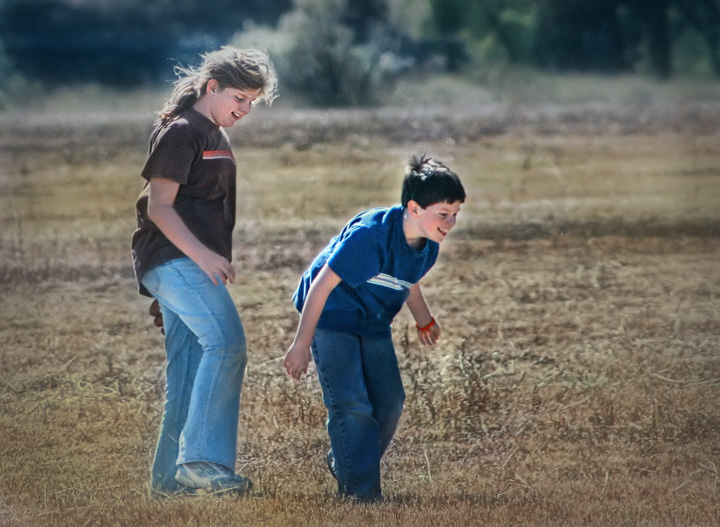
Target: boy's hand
x=429, y=335
x=296, y=361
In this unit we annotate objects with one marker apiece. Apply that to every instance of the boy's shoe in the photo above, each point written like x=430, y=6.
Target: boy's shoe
x=374, y=498
x=330, y=458
x=211, y=477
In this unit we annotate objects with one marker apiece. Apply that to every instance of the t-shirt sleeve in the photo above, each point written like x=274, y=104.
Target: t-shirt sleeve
x=358, y=258
x=172, y=154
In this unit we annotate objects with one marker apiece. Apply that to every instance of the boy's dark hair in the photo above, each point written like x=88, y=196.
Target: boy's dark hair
x=428, y=182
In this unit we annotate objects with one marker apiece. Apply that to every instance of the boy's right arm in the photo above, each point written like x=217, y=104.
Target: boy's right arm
x=160, y=210
x=297, y=357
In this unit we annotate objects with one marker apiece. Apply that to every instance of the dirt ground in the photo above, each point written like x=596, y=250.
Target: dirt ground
x=579, y=372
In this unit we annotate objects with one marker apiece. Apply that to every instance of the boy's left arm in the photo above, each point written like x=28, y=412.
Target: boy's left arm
x=428, y=329
x=297, y=357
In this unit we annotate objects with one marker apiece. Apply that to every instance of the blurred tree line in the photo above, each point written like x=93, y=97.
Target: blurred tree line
x=347, y=52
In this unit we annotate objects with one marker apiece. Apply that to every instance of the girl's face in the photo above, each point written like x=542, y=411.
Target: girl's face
x=226, y=106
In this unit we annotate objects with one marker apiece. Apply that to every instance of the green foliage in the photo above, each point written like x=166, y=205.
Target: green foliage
x=504, y=32
x=351, y=52
x=449, y=15
x=13, y=86
x=661, y=37
x=318, y=55
x=691, y=56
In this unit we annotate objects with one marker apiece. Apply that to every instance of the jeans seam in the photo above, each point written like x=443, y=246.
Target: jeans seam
x=343, y=441
x=213, y=383
x=204, y=432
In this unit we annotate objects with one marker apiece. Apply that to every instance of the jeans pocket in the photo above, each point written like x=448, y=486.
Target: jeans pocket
x=151, y=281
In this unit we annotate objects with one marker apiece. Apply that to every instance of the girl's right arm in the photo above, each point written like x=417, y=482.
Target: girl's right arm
x=297, y=357
x=160, y=210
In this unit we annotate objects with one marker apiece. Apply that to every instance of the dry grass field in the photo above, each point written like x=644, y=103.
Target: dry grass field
x=577, y=381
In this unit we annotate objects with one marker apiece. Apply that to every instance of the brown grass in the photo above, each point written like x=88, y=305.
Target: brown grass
x=578, y=377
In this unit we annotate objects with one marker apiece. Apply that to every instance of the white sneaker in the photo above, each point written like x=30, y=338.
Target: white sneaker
x=211, y=477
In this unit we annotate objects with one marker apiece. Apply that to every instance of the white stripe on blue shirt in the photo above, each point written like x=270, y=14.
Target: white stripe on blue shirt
x=385, y=280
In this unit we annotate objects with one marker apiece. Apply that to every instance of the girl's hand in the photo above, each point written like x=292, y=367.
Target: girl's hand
x=161, y=211
x=217, y=267
x=296, y=361
x=429, y=334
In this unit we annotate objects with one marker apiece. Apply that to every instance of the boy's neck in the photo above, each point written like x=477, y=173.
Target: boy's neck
x=412, y=236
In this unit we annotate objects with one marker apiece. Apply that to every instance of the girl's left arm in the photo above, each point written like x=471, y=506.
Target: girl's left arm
x=428, y=328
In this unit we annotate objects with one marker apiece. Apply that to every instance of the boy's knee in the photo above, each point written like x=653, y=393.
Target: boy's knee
x=394, y=409
x=355, y=410
x=396, y=401
x=391, y=407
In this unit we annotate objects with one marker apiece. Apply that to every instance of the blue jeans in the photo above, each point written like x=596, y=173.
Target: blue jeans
x=363, y=393
x=206, y=359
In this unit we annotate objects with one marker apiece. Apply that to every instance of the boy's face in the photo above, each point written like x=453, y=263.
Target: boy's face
x=437, y=220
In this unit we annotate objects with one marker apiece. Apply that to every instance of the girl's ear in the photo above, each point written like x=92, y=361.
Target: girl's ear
x=212, y=86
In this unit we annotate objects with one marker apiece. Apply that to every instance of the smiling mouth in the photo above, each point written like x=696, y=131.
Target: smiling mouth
x=443, y=232
x=235, y=115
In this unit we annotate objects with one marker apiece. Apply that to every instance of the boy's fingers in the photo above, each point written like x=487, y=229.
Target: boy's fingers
x=290, y=369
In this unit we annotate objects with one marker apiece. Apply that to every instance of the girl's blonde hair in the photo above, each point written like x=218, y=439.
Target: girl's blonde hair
x=243, y=69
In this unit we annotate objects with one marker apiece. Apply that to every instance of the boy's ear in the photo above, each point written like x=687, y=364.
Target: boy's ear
x=413, y=207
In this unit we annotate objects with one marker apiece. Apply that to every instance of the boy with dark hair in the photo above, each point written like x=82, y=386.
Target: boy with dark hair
x=348, y=298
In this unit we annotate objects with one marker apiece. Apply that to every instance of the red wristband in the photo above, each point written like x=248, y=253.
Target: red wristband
x=426, y=328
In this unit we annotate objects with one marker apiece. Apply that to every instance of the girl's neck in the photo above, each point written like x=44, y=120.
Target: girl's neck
x=202, y=106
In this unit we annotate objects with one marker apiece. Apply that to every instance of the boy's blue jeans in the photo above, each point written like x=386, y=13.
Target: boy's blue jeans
x=363, y=393
x=206, y=359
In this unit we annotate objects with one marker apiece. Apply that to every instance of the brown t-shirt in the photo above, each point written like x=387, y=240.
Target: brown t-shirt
x=195, y=152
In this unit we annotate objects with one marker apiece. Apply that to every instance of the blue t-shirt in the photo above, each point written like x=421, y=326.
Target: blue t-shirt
x=377, y=267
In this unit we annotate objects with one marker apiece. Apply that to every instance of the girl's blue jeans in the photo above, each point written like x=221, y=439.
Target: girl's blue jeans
x=206, y=359
x=363, y=393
